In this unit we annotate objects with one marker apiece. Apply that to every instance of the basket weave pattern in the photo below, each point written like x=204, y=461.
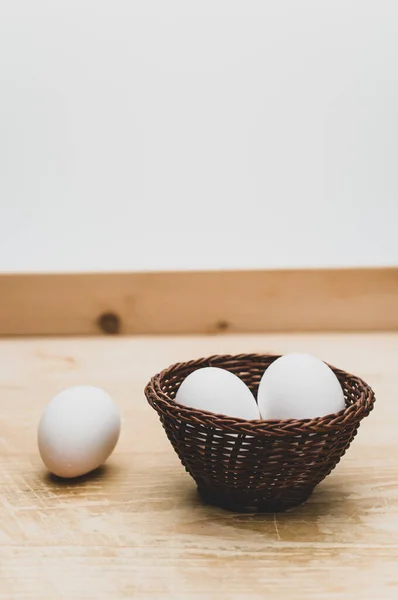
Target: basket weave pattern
x=265, y=466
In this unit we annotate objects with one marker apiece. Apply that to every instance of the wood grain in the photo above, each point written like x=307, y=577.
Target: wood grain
x=199, y=302
x=136, y=528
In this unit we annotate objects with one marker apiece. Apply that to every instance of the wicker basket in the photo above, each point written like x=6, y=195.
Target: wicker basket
x=255, y=466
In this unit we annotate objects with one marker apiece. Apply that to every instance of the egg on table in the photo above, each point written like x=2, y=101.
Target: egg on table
x=299, y=386
x=78, y=430
x=218, y=391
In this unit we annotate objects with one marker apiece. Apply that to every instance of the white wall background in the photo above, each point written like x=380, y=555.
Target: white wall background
x=198, y=134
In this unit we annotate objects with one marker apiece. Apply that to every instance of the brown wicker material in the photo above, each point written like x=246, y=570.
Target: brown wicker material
x=264, y=466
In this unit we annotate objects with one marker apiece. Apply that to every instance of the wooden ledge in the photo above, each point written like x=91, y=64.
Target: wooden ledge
x=199, y=302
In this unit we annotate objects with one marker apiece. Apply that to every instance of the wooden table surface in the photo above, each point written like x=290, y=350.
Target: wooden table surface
x=136, y=528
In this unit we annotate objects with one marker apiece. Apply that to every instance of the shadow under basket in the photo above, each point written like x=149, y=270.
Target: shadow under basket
x=255, y=466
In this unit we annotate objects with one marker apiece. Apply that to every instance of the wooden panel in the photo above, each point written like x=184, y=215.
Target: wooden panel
x=199, y=302
x=137, y=529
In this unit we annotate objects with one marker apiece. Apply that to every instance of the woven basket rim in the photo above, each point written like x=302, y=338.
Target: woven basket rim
x=351, y=415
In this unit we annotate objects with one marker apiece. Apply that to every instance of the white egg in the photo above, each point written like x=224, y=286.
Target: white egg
x=78, y=430
x=218, y=391
x=299, y=386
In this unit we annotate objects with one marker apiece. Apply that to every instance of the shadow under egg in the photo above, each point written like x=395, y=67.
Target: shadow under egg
x=95, y=475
